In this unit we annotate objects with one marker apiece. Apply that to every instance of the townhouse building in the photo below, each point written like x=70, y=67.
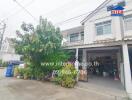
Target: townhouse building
x=106, y=39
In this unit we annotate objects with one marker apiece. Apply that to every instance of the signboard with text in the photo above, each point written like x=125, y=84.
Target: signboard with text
x=117, y=11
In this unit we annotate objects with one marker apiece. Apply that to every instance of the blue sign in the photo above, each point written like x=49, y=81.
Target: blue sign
x=117, y=10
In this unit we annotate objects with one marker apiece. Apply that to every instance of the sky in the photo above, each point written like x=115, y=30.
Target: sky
x=56, y=11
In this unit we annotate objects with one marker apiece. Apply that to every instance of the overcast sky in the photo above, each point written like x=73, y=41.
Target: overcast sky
x=55, y=11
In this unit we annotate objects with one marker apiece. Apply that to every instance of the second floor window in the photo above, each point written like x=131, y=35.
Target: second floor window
x=74, y=37
x=128, y=22
x=103, y=28
x=82, y=35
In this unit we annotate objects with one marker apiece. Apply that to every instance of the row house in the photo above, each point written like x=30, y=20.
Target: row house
x=106, y=39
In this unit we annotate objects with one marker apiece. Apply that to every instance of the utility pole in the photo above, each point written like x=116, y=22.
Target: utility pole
x=2, y=31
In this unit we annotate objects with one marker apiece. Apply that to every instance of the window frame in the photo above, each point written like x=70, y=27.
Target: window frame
x=103, y=25
x=127, y=18
x=74, y=35
x=82, y=35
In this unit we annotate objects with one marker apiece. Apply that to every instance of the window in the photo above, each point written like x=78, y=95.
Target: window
x=128, y=22
x=82, y=35
x=122, y=3
x=103, y=28
x=74, y=37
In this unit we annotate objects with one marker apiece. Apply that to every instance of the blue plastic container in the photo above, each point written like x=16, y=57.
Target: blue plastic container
x=9, y=70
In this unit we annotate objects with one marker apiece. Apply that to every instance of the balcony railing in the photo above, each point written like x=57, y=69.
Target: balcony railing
x=68, y=43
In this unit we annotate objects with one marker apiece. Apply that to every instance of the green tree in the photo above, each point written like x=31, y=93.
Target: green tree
x=40, y=44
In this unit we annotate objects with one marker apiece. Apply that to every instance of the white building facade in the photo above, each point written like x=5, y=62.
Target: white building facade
x=7, y=52
x=107, y=39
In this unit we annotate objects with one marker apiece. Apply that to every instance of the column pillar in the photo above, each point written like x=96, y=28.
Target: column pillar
x=76, y=54
x=84, y=58
x=127, y=71
x=77, y=62
x=121, y=67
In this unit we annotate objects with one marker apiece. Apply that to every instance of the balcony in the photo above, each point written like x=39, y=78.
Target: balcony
x=68, y=43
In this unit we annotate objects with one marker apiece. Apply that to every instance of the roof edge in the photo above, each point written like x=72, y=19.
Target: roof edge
x=94, y=11
x=72, y=28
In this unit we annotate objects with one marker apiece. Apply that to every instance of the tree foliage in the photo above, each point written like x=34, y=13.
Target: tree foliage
x=40, y=44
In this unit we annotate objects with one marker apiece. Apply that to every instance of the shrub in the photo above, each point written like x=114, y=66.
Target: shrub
x=67, y=76
x=21, y=71
x=16, y=71
x=57, y=80
x=39, y=75
x=0, y=62
x=69, y=82
x=27, y=73
x=3, y=63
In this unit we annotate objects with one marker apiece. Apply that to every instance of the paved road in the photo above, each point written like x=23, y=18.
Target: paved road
x=2, y=72
x=16, y=89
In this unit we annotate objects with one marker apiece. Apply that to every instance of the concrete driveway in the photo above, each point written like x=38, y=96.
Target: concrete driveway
x=2, y=72
x=17, y=89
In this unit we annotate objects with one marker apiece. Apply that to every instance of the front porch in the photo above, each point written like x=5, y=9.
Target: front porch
x=102, y=62
x=116, y=65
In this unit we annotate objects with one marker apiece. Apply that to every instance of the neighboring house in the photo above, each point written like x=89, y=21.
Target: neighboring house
x=7, y=52
x=106, y=39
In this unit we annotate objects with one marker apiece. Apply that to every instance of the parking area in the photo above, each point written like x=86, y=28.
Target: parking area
x=104, y=86
x=17, y=89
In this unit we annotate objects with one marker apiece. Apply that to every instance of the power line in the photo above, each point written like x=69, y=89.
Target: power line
x=18, y=11
x=25, y=10
x=57, y=8
x=73, y=18
x=3, y=25
x=61, y=22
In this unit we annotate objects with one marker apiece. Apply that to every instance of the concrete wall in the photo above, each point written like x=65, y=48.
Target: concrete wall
x=9, y=56
x=101, y=16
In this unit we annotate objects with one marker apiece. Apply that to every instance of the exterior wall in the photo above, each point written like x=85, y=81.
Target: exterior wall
x=101, y=16
x=7, y=52
x=9, y=56
x=92, y=40
x=66, y=36
x=128, y=9
x=7, y=46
